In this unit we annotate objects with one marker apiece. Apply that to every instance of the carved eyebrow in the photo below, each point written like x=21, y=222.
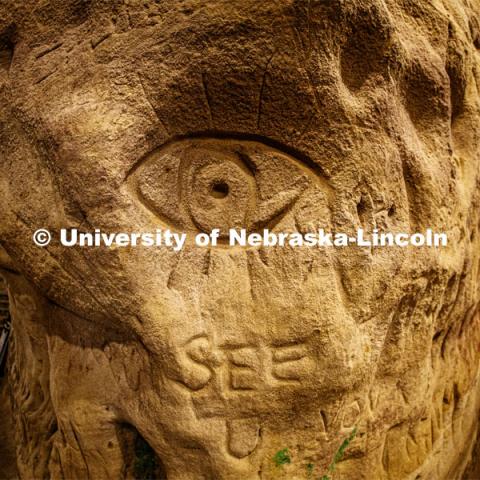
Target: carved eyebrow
x=293, y=153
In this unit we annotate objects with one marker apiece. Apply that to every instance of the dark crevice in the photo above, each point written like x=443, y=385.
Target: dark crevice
x=140, y=460
x=362, y=211
x=220, y=189
x=7, y=47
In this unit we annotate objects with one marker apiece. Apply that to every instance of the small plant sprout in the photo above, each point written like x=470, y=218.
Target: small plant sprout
x=339, y=454
x=282, y=457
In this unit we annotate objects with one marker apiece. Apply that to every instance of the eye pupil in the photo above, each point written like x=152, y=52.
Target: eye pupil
x=220, y=190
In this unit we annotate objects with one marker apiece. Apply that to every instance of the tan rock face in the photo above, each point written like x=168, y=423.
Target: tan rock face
x=217, y=114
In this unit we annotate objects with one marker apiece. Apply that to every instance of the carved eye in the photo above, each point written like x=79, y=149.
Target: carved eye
x=202, y=184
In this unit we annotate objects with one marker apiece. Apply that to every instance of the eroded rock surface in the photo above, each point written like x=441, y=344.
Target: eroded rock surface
x=299, y=115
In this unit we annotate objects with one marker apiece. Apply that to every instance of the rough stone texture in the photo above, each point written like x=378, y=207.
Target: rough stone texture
x=334, y=114
x=7, y=442
x=7, y=445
